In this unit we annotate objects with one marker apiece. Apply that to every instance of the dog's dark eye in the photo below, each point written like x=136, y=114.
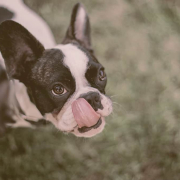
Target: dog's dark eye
x=58, y=89
x=102, y=75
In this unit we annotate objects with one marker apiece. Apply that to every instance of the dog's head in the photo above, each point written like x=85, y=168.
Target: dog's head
x=66, y=83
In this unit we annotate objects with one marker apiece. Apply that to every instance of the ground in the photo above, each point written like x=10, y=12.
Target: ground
x=139, y=44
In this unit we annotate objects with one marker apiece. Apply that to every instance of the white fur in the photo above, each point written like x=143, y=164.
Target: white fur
x=77, y=62
x=30, y=110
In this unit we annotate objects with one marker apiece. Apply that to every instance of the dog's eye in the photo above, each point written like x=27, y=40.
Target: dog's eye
x=58, y=89
x=102, y=75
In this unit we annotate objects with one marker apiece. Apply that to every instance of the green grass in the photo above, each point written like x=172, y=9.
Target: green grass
x=139, y=44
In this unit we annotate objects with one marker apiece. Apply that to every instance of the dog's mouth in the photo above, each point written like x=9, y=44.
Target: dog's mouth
x=85, y=116
x=86, y=129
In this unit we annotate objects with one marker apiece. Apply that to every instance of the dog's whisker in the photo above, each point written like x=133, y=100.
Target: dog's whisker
x=116, y=103
x=114, y=95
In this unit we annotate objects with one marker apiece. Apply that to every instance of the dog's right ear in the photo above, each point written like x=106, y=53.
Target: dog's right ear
x=19, y=48
x=79, y=29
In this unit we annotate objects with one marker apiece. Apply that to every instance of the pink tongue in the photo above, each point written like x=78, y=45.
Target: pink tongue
x=84, y=114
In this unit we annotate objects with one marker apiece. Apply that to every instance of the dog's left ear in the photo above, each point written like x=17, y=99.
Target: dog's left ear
x=79, y=28
x=19, y=48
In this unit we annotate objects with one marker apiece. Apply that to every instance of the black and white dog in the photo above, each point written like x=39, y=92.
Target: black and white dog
x=64, y=84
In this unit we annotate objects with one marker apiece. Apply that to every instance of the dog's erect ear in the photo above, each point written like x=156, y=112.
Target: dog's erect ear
x=79, y=28
x=19, y=48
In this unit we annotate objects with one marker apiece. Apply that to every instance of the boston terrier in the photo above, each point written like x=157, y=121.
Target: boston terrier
x=64, y=84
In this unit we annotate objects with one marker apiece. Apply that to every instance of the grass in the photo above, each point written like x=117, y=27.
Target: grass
x=139, y=44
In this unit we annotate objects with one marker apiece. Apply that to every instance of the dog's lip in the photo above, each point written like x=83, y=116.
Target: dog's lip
x=86, y=129
x=91, y=132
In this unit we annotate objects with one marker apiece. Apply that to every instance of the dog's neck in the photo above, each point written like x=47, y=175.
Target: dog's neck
x=20, y=106
x=27, y=107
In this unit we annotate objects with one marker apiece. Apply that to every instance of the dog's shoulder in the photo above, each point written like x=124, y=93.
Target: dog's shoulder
x=17, y=11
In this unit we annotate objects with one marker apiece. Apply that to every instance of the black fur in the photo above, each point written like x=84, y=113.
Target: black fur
x=5, y=14
x=19, y=48
x=39, y=69
x=92, y=75
x=48, y=71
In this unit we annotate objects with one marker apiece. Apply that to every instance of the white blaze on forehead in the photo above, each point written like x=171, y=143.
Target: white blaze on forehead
x=76, y=60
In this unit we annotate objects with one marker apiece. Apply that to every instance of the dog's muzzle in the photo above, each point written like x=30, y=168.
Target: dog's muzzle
x=85, y=114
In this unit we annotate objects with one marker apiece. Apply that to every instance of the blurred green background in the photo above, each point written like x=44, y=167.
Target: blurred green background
x=138, y=41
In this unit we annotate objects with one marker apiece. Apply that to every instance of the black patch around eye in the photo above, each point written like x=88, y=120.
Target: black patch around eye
x=5, y=14
x=48, y=71
x=92, y=75
x=43, y=102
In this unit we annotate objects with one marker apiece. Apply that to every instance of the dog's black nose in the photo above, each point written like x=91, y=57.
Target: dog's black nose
x=93, y=98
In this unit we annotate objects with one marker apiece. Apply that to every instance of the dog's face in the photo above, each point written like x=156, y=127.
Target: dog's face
x=66, y=83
